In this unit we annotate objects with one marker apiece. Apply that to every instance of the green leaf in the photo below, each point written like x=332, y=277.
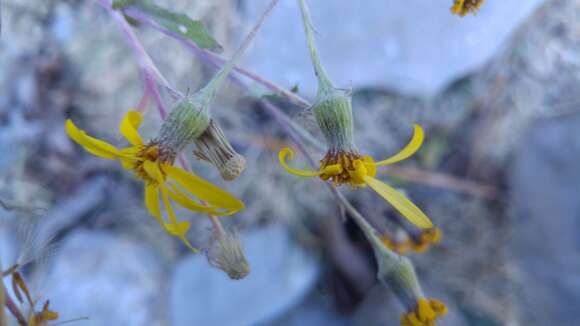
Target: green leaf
x=180, y=24
x=119, y=4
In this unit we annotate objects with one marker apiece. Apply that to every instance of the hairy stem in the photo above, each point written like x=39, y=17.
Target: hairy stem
x=217, y=60
x=145, y=61
x=324, y=82
x=215, y=83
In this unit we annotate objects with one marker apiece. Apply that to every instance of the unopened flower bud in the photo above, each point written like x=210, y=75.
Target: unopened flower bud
x=213, y=146
x=398, y=273
x=227, y=254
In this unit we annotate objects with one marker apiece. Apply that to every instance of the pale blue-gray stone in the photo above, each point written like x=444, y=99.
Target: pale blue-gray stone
x=108, y=278
x=415, y=47
x=545, y=228
x=281, y=274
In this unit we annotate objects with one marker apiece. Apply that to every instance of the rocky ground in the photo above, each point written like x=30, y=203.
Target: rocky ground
x=498, y=172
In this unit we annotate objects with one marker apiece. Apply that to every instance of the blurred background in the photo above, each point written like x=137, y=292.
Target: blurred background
x=497, y=94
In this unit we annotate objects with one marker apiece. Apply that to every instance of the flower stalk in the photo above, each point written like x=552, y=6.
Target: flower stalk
x=398, y=274
x=332, y=107
x=191, y=117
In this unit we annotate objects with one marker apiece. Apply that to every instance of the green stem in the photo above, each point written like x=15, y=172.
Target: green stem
x=324, y=82
x=209, y=91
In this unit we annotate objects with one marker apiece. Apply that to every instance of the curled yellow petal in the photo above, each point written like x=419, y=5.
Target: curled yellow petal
x=287, y=154
x=400, y=202
x=179, y=229
x=410, y=149
x=204, y=190
x=152, y=202
x=129, y=126
x=184, y=201
x=167, y=205
x=92, y=145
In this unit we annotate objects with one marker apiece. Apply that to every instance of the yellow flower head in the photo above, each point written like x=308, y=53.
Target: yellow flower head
x=464, y=7
x=349, y=167
x=342, y=164
x=153, y=163
x=425, y=314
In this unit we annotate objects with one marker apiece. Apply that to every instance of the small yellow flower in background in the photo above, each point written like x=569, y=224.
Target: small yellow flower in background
x=464, y=7
x=419, y=244
x=349, y=167
x=22, y=294
x=164, y=182
x=43, y=317
x=426, y=313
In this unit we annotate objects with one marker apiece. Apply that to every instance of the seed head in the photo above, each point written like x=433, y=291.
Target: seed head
x=227, y=254
x=214, y=147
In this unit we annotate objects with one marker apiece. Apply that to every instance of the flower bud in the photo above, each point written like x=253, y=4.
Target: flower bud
x=186, y=122
x=227, y=254
x=399, y=275
x=213, y=146
x=333, y=113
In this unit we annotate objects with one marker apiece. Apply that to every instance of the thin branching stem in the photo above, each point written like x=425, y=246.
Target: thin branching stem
x=324, y=82
x=218, y=61
x=274, y=111
x=213, y=85
x=145, y=61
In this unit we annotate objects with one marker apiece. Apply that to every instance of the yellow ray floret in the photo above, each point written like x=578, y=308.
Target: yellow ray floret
x=163, y=181
x=417, y=244
x=344, y=167
x=464, y=7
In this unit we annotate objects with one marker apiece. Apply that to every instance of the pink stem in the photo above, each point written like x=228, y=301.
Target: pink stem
x=209, y=56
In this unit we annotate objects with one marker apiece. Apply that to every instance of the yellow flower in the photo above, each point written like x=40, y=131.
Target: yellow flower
x=463, y=7
x=419, y=244
x=349, y=167
x=425, y=314
x=153, y=163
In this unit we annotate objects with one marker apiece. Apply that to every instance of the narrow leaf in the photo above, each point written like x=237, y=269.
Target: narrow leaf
x=180, y=24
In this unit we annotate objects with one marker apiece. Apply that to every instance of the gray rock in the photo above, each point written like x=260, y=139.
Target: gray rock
x=416, y=47
x=545, y=244
x=8, y=248
x=281, y=274
x=108, y=278
x=312, y=312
